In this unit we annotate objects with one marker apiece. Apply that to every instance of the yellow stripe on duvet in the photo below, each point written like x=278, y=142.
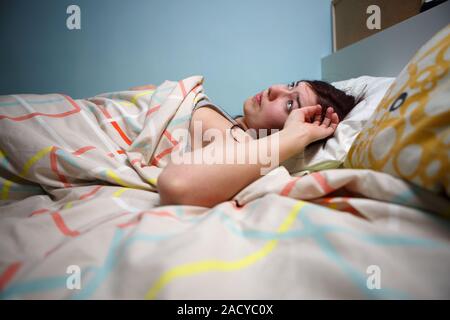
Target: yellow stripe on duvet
x=153, y=181
x=219, y=265
x=112, y=175
x=34, y=159
x=136, y=96
x=8, y=183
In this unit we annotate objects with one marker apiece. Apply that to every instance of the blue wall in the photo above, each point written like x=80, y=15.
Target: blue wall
x=240, y=46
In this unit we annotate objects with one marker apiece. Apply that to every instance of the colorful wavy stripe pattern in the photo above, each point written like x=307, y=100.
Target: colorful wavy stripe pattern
x=101, y=212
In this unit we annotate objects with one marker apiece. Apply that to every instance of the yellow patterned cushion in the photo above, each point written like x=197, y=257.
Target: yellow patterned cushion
x=409, y=134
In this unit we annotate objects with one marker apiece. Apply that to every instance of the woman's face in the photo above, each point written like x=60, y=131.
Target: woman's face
x=270, y=108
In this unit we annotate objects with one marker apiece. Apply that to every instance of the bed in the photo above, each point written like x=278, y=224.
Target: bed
x=80, y=219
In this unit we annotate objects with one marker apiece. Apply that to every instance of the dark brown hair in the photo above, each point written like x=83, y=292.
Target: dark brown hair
x=330, y=96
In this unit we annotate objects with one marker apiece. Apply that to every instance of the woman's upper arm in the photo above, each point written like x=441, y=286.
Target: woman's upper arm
x=175, y=183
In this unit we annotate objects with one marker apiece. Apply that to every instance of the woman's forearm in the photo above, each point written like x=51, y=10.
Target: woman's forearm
x=209, y=184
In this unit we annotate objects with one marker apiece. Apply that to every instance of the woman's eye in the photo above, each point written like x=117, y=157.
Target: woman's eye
x=291, y=85
x=289, y=105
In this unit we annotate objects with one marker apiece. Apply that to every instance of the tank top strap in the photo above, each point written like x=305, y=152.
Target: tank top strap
x=206, y=103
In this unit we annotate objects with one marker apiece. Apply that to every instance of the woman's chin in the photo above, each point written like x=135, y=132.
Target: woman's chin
x=249, y=107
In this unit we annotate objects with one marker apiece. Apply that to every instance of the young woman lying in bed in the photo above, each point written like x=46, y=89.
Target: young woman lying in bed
x=303, y=112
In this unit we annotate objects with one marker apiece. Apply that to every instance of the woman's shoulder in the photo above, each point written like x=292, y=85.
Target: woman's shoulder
x=206, y=104
x=212, y=114
x=210, y=117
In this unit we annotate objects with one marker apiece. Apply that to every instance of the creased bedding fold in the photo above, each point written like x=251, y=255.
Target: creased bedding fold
x=121, y=138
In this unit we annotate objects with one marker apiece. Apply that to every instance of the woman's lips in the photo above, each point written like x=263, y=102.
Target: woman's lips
x=258, y=98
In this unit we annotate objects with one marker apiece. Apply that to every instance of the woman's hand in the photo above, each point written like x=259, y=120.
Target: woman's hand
x=146, y=87
x=307, y=122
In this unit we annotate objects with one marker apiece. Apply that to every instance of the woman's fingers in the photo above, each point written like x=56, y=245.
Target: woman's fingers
x=334, y=120
x=311, y=113
x=305, y=114
x=327, y=120
x=326, y=127
x=318, y=114
x=310, y=110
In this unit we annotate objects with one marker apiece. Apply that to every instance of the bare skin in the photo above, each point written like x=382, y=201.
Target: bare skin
x=292, y=109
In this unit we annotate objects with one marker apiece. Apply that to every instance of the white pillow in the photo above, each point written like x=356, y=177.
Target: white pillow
x=331, y=153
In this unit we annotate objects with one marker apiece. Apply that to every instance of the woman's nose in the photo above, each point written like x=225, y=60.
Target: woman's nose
x=275, y=92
